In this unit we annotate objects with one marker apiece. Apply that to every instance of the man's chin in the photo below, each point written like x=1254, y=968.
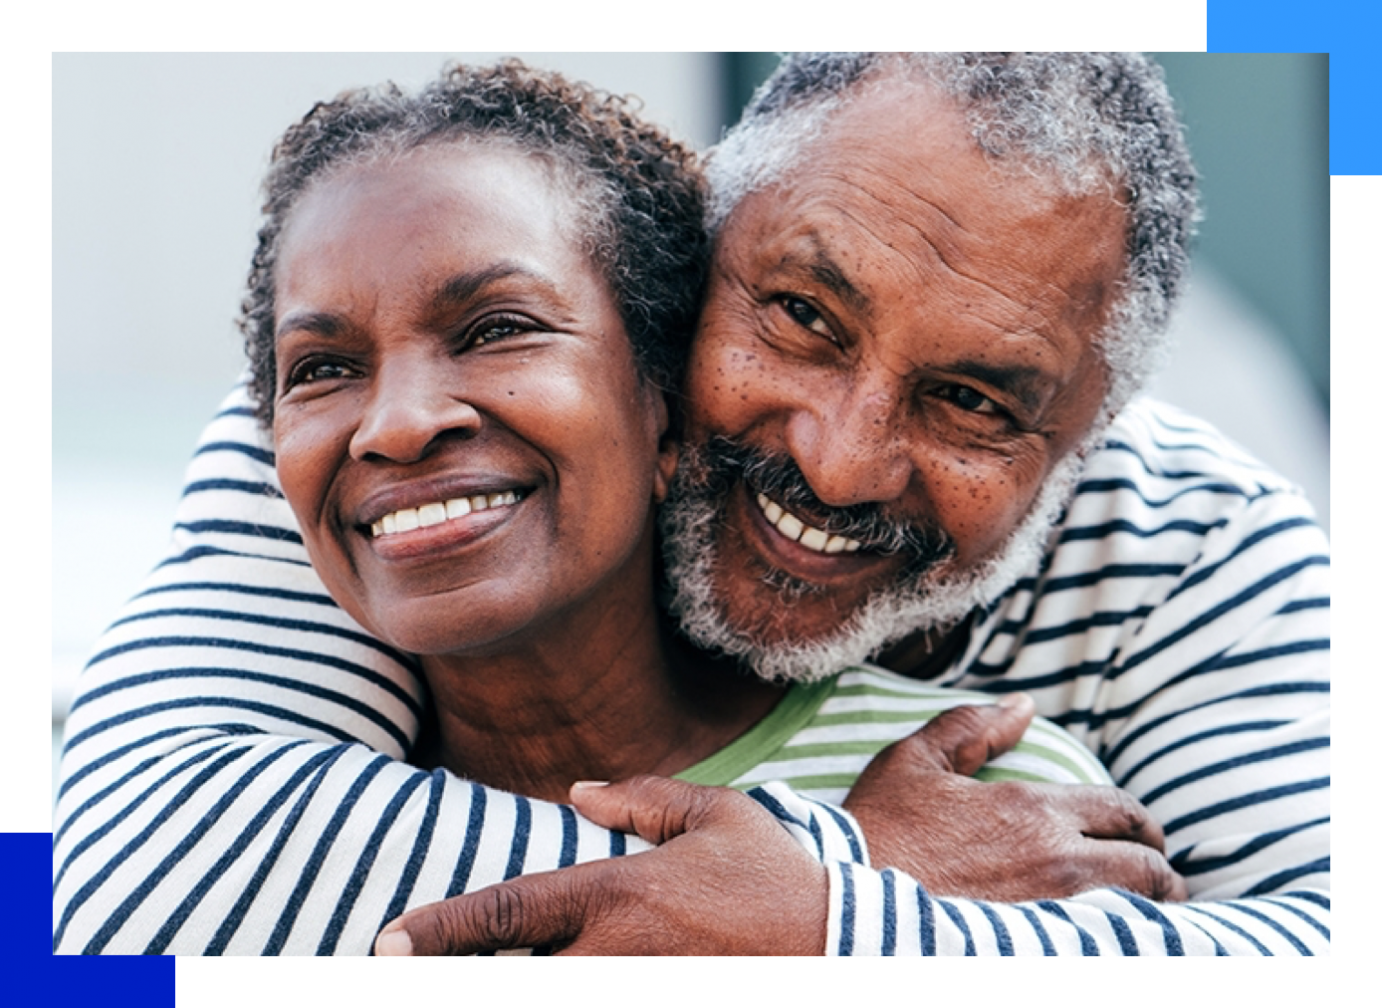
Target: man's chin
x=785, y=633
x=784, y=627
x=810, y=638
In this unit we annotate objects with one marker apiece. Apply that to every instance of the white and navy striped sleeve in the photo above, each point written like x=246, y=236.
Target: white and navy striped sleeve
x=887, y=913
x=1180, y=629
x=232, y=778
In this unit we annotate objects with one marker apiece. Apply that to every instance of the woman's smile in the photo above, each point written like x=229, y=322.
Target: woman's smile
x=441, y=527
x=438, y=512
x=460, y=423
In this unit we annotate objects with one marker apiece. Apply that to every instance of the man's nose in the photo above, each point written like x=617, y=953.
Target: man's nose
x=413, y=404
x=852, y=448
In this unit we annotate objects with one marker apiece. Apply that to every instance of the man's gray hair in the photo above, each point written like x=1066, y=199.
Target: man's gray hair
x=1082, y=119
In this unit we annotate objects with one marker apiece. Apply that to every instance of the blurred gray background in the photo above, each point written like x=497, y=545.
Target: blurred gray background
x=156, y=166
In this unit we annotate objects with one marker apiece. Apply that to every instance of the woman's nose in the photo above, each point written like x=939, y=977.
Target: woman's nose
x=854, y=450
x=411, y=406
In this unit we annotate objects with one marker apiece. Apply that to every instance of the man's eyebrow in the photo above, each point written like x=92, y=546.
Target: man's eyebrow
x=829, y=274
x=1031, y=385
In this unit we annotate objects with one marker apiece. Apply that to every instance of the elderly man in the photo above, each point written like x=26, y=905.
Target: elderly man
x=938, y=282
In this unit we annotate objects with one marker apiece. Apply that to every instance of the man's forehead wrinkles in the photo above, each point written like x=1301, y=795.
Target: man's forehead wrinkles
x=948, y=257
x=1018, y=312
x=920, y=220
x=1016, y=320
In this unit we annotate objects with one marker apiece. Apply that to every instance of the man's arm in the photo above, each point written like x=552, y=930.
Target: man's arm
x=216, y=795
x=1213, y=710
x=1182, y=632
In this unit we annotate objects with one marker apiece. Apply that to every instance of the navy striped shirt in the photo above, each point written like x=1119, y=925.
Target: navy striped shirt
x=232, y=779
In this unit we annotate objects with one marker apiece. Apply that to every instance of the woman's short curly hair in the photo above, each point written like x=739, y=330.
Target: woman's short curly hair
x=638, y=194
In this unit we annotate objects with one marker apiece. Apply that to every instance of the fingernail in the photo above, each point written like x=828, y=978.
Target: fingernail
x=1011, y=700
x=392, y=943
x=590, y=783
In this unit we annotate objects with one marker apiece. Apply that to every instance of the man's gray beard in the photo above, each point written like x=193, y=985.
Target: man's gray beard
x=936, y=599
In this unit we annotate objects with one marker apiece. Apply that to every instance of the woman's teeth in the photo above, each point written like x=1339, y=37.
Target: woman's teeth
x=434, y=514
x=798, y=531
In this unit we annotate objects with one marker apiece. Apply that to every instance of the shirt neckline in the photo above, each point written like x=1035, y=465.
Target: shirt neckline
x=797, y=707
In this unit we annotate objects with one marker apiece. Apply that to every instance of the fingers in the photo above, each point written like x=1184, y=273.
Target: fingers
x=1132, y=866
x=656, y=808
x=963, y=739
x=1110, y=813
x=546, y=909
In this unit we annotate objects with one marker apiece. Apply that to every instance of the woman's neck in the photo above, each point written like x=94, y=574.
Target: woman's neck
x=627, y=698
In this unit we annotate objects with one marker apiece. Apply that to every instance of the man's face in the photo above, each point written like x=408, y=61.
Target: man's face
x=895, y=354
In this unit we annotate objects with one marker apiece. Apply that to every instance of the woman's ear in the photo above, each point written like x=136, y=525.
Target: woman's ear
x=668, y=451
x=668, y=448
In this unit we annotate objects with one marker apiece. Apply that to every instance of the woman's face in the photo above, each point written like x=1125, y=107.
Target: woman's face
x=459, y=424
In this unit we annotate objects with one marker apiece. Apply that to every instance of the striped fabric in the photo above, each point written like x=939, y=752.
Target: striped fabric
x=231, y=784
x=1180, y=629
x=820, y=737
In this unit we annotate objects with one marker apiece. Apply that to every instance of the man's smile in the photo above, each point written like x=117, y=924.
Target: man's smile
x=799, y=531
x=765, y=511
x=777, y=511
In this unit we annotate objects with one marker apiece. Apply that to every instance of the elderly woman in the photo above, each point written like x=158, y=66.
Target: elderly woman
x=465, y=313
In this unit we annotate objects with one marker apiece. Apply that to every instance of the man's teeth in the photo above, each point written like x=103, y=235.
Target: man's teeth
x=798, y=531
x=434, y=514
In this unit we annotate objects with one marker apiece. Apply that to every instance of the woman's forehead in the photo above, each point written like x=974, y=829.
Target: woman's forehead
x=427, y=214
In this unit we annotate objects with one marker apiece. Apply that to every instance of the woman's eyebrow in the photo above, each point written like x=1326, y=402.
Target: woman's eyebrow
x=455, y=290
x=462, y=287
x=318, y=322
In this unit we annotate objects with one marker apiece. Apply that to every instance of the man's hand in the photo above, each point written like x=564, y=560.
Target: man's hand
x=1005, y=841
x=727, y=879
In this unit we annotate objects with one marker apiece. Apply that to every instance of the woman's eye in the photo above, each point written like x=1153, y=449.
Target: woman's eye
x=806, y=316
x=493, y=330
x=318, y=370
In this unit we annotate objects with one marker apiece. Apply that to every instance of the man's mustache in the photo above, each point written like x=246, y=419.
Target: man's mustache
x=722, y=461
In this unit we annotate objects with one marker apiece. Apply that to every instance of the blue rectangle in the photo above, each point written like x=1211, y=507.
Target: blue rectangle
x=1349, y=31
x=35, y=976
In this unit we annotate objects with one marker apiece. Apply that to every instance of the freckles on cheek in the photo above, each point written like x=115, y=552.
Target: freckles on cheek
x=980, y=500
x=725, y=386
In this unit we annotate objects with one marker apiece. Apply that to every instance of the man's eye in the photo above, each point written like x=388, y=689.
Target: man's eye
x=968, y=400
x=807, y=317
